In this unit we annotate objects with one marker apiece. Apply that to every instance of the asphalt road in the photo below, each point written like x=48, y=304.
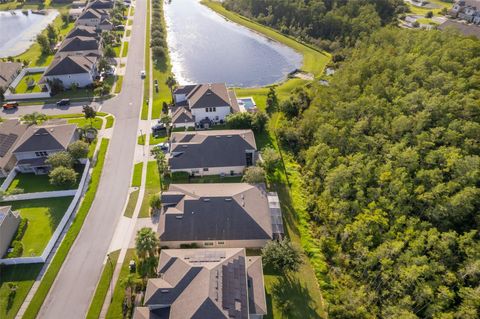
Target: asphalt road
x=75, y=284
x=48, y=109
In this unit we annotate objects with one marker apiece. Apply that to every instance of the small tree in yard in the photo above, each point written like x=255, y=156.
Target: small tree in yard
x=109, y=52
x=146, y=243
x=272, y=100
x=34, y=118
x=282, y=256
x=89, y=113
x=171, y=82
x=44, y=44
x=161, y=163
x=254, y=175
x=155, y=203
x=63, y=176
x=58, y=159
x=78, y=149
x=270, y=159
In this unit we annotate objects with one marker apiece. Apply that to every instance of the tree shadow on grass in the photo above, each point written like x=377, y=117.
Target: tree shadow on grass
x=293, y=299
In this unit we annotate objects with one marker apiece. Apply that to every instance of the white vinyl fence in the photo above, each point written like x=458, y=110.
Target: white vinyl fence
x=42, y=258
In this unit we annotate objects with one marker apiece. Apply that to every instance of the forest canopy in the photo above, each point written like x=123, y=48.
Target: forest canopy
x=323, y=22
x=391, y=157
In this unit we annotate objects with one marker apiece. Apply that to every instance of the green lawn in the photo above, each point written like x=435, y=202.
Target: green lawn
x=56, y=264
x=81, y=122
x=153, y=140
x=137, y=175
x=116, y=49
x=22, y=86
x=423, y=11
x=130, y=22
x=118, y=86
x=110, y=121
x=161, y=70
x=43, y=217
x=146, y=81
x=31, y=183
x=152, y=187
x=125, y=49
x=129, y=32
x=115, y=308
x=34, y=55
x=103, y=286
x=132, y=202
x=21, y=275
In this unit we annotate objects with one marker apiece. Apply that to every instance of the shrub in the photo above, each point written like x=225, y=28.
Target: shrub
x=17, y=250
x=281, y=256
x=254, y=175
x=187, y=246
x=63, y=176
x=22, y=227
x=58, y=159
x=78, y=149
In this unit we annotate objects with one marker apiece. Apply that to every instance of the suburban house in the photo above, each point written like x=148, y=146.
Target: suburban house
x=181, y=117
x=9, y=221
x=10, y=133
x=8, y=73
x=105, y=25
x=222, y=152
x=77, y=69
x=467, y=10
x=38, y=142
x=92, y=17
x=75, y=13
x=83, y=31
x=205, y=283
x=207, y=103
x=78, y=45
x=219, y=215
x=100, y=4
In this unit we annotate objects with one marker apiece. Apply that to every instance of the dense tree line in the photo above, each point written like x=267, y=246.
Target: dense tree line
x=158, y=35
x=328, y=23
x=390, y=152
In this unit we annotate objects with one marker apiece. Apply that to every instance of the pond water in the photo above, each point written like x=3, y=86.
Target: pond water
x=205, y=47
x=18, y=30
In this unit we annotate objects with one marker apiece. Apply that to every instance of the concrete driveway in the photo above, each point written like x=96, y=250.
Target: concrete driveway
x=75, y=284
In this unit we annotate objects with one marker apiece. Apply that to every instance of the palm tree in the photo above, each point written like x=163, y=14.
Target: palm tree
x=130, y=283
x=171, y=82
x=33, y=118
x=146, y=243
x=161, y=163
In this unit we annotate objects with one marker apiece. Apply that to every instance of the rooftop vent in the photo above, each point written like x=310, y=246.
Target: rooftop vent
x=178, y=217
x=229, y=136
x=164, y=290
x=206, y=199
x=228, y=199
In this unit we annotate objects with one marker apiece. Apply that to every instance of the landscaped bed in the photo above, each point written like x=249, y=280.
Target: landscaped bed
x=43, y=216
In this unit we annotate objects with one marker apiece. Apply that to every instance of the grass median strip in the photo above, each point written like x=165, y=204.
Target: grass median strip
x=137, y=175
x=110, y=121
x=146, y=81
x=103, y=286
x=125, y=49
x=152, y=187
x=132, y=202
x=118, y=85
x=115, y=310
x=52, y=271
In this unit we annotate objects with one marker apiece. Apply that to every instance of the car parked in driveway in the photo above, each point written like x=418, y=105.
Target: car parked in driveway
x=63, y=102
x=10, y=105
x=163, y=146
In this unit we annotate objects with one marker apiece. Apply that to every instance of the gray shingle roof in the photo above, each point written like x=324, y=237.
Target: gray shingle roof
x=200, y=149
x=83, y=31
x=215, y=212
x=10, y=133
x=209, y=95
x=7, y=72
x=199, y=283
x=90, y=14
x=46, y=138
x=74, y=64
x=181, y=115
x=100, y=4
x=79, y=43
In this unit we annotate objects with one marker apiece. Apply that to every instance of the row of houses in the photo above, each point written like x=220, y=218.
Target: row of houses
x=76, y=58
x=25, y=148
x=221, y=220
x=468, y=10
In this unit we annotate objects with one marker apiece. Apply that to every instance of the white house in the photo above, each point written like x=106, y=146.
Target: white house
x=77, y=69
x=9, y=221
x=208, y=103
x=222, y=152
x=39, y=142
